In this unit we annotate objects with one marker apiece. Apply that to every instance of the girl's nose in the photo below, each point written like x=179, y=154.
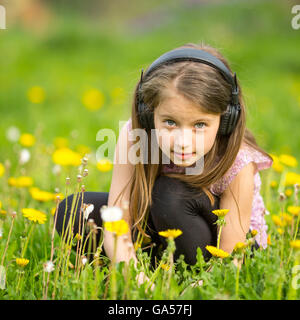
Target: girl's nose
x=183, y=140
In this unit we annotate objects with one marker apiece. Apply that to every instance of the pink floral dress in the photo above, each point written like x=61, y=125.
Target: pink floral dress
x=245, y=155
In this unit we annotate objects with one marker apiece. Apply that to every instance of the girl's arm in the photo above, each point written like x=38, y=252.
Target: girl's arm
x=120, y=178
x=239, y=192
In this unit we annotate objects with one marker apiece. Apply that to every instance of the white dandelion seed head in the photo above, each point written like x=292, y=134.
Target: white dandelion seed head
x=56, y=169
x=24, y=156
x=87, y=209
x=83, y=260
x=85, y=172
x=13, y=214
x=84, y=160
x=111, y=213
x=13, y=134
x=49, y=266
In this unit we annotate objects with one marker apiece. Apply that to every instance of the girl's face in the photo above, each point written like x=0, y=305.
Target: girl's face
x=178, y=121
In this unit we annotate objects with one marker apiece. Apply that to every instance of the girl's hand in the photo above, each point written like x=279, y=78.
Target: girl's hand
x=141, y=278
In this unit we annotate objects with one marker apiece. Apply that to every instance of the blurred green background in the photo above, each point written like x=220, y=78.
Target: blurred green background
x=85, y=58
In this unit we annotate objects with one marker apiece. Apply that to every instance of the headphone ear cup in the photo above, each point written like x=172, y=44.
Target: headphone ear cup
x=229, y=120
x=224, y=122
x=235, y=115
x=145, y=116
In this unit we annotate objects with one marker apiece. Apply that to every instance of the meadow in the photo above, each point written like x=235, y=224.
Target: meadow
x=62, y=83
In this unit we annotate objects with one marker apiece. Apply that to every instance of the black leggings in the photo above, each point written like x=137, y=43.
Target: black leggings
x=174, y=206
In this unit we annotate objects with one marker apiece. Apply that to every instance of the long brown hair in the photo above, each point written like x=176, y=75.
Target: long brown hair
x=206, y=87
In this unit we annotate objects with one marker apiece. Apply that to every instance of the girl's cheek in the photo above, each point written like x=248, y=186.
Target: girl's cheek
x=209, y=142
x=166, y=142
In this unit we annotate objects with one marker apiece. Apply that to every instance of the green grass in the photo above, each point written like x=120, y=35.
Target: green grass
x=77, y=53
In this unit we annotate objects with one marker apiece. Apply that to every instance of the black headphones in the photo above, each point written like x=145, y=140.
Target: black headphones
x=228, y=119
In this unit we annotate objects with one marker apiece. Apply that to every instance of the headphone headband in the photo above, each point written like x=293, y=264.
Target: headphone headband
x=197, y=55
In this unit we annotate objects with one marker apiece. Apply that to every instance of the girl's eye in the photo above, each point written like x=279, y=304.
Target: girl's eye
x=166, y=121
x=201, y=123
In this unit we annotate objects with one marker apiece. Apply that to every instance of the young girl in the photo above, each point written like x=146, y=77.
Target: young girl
x=181, y=95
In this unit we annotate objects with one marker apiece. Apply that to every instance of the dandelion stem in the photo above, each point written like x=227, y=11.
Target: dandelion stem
x=113, y=271
x=171, y=263
x=237, y=282
x=8, y=238
x=78, y=248
x=52, y=250
x=27, y=240
x=219, y=236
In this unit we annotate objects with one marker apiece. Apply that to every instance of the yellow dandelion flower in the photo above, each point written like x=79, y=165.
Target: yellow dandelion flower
x=280, y=231
x=294, y=210
x=286, y=217
x=119, y=227
x=136, y=245
x=239, y=246
x=220, y=212
x=170, y=233
x=12, y=181
x=93, y=99
x=66, y=157
x=77, y=237
x=27, y=140
x=82, y=149
x=2, y=169
x=165, y=267
x=22, y=262
x=253, y=233
x=41, y=195
x=278, y=221
x=273, y=184
x=2, y=212
x=276, y=165
x=288, y=160
x=104, y=165
x=20, y=182
x=24, y=181
x=288, y=192
x=60, y=142
x=59, y=194
x=291, y=178
x=36, y=94
x=219, y=253
x=269, y=240
x=295, y=244
x=34, y=215
x=53, y=210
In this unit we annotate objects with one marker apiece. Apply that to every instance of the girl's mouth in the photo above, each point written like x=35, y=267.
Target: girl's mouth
x=184, y=156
